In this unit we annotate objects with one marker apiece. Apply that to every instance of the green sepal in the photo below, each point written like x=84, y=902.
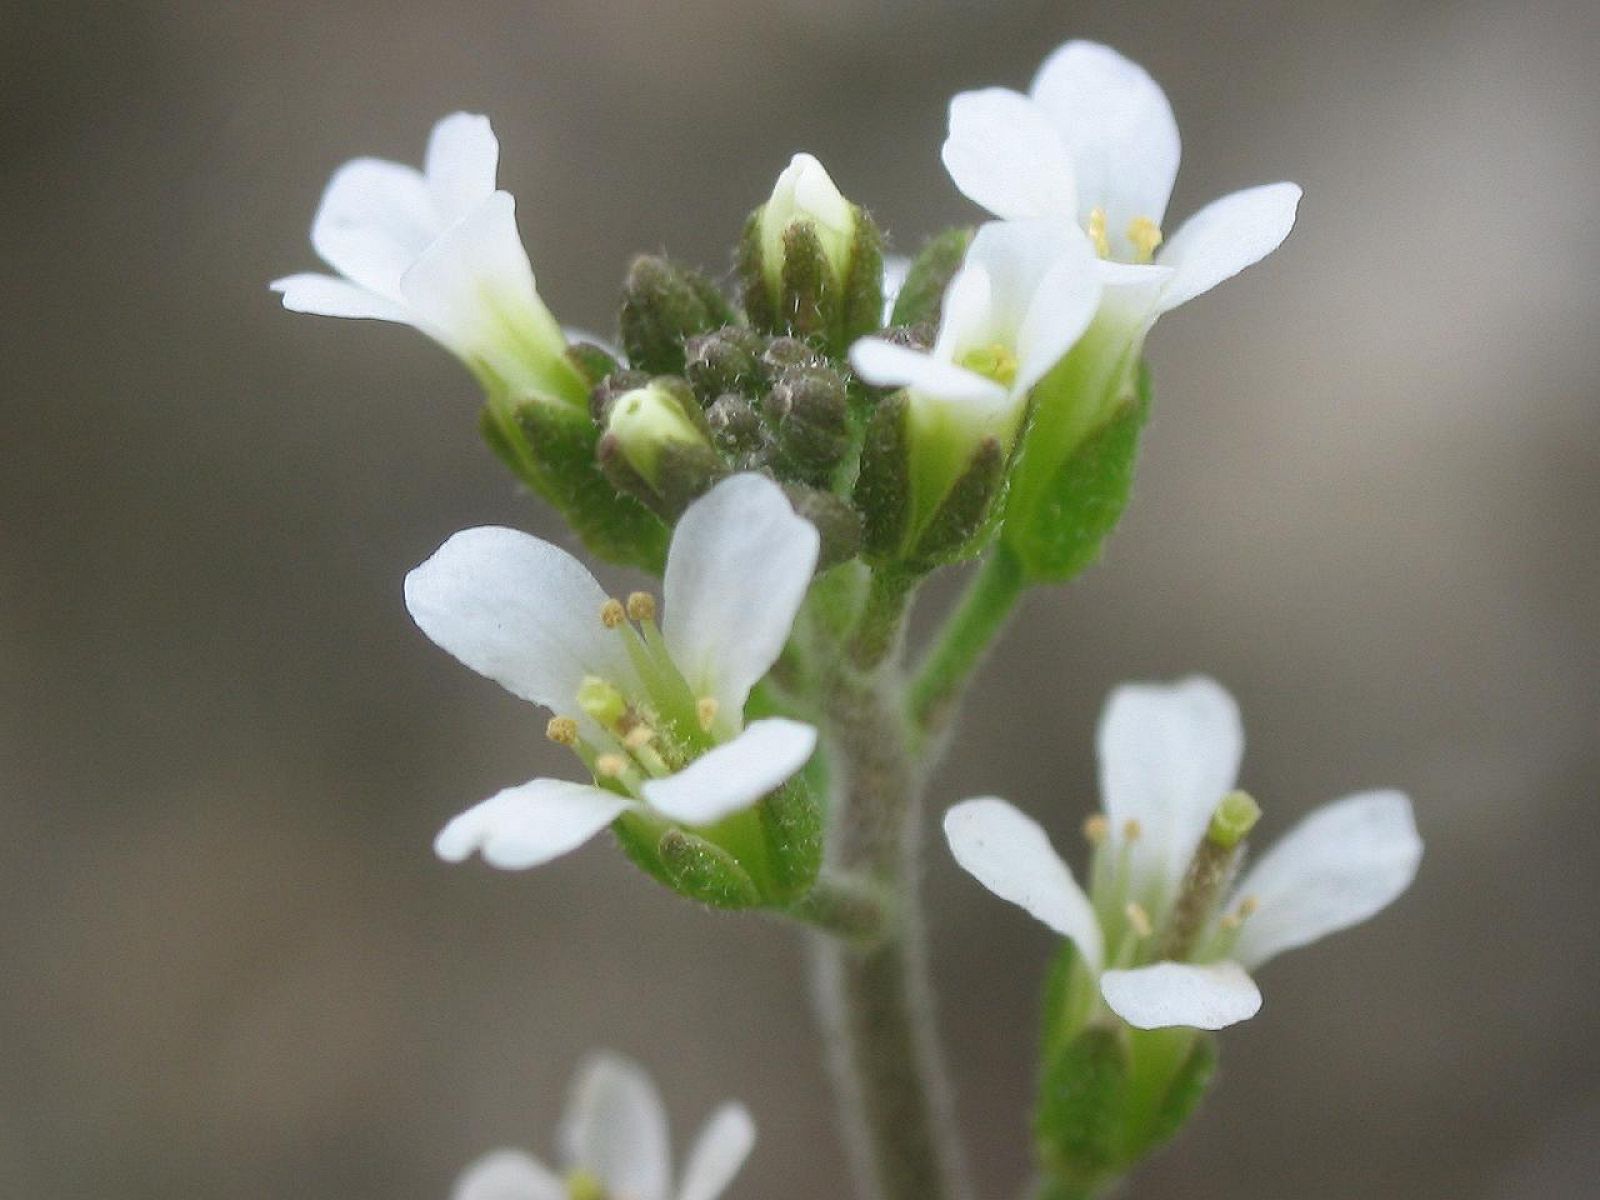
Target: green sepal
x=862, y=309
x=592, y=362
x=922, y=294
x=759, y=307
x=810, y=296
x=959, y=526
x=791, y=819
x=1175, y=1099
x=663, y=305
x=1058, y=525
x=883, y=488
x=551, y=449
x=1083, y=1093
x=703, y=871
x=837, y=524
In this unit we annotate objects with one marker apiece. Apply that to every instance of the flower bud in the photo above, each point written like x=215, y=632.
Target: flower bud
x=837, y=523
x=657, y=448
x=810, y=416
x=738, y=432
x=726, y=360
x=663, y=305
x=812, y=262
x=611, y=388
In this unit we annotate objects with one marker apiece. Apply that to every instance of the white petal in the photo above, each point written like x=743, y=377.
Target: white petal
x=1225, y=237
x=896, y=267
x=463, y=155
x=737, y=572
x=528, y=825
x=1339, y=866
x=1118, y=129
x=1063, y=305
x=888, y=365
x=735, y=774
x=508, y=1175
x=1009, y=854
x=1004, y=155
x=375, y=218
x=328, y=296
x=1210, y=996
x=473, y=290
x=1168, y=754
x=616, y=1128
x=718, y=1153
x=519, y=610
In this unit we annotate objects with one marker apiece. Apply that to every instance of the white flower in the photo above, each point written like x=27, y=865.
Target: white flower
x=1024, y=294
x=657, y=714
x=614, y=1146
x=1168, y=758
x=1094, y=145
x=438, y=249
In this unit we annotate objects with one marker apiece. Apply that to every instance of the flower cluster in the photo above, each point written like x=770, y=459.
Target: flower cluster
x=793, y=455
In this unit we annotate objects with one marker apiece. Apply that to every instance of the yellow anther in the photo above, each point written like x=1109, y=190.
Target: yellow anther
x=1139, y=920
x=641, y=606
x=705, y=710
x=612, y=614
x=996, y=362
x=563, y=731
x=1096, y=829
x=639, y=737
x=584, y=1185
x=1132, y=830
x=1145, y=235
x=1248, y=908
x=1097, y=232
x=610, y=766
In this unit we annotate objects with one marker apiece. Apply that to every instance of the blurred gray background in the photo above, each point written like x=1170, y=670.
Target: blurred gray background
x=230, y=966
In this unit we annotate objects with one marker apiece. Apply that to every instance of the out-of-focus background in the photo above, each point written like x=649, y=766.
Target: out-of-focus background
x=229, y=964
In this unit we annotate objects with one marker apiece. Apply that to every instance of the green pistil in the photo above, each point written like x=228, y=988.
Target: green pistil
x=996, y=362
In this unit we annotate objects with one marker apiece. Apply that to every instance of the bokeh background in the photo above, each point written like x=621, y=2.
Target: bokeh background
x=229, y=965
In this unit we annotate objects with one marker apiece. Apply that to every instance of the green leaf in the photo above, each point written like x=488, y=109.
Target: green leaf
x=1061, y=525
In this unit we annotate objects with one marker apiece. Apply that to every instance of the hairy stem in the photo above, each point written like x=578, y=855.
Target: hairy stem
x=874, y=999
x=964, y=640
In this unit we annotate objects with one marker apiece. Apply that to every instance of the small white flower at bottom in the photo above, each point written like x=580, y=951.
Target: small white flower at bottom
x=1163, y=950
x=615, y=1146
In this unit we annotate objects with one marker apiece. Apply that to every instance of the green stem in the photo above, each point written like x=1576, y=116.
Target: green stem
x=846, y=907
x=965, y=638
x=874, y=999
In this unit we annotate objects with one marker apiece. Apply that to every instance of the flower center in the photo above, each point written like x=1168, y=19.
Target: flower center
x=585, y=1185
x=1143, y=234
x=637, y=733
x=1150, y=924
x=995, y=361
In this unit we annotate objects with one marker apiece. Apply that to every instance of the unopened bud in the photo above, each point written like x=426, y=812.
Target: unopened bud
x=836, y=522
x=593, y=362
x=663, y=305
x=611, y=388
x=656, y=448
x=737, y=430
x=922, y=295
x=812, y=262
x=810, y=416
x=726, y=360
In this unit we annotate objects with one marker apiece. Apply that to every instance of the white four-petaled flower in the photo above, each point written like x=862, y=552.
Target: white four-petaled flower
x=615, y=1146
x=1093, y=145
x=438, y=249
x=1024, y=294
x=657, y=713
x=1168, y=757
